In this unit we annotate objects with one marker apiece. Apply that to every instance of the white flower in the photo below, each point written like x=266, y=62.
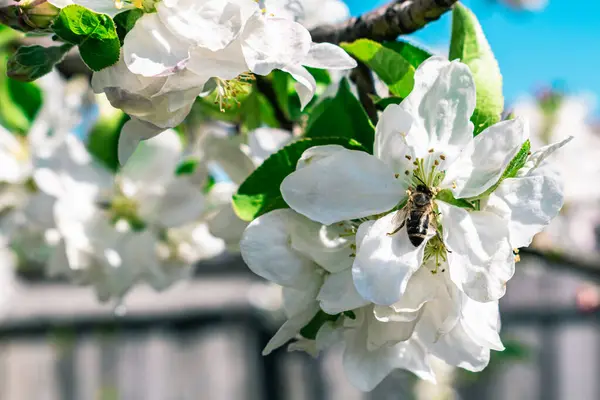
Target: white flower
x=426, y=140
x=238, y=161
x=576, y=161
x=311, y=261
x=186, y=47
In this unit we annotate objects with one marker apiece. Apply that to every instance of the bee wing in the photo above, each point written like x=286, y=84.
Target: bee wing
x=399, y=219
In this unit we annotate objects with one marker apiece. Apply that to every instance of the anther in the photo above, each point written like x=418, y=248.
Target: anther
x=407, y=172
x=453, y=184
x=396, y=176
x=442, y=157
x=517, y=258
x=408, y=157
x=431, y=150
x=436, y=163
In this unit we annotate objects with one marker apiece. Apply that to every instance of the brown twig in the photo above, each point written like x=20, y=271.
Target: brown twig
x=362, y=77
x=387, y=22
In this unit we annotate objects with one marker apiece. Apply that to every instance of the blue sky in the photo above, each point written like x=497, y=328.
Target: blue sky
x=560, y=44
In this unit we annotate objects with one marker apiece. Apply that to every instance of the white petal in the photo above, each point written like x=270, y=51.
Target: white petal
x=210, y=24
x=443, y=100
x=266, y=250
x=103, y=7
x=481, y=321
x=338, y=293
x=226, y=64
x=458, y=349
x=317, y=153
x=528, y=204
x=349, y=184
x=290, y=329
x=422, y=287
x=132, y=133
x=388, y=333
x=538, y=157
x=266, y=141
x=483, y=162
x=228, y=155
x=150, y=49
x=384, y=263
x=479, y=252
x=273, y=43
x=297, y=301
x=366, y=369
x=323, y=244
x=328, y=56
x=154, y=160
x=177, y=203
x=305, y=85
x=398, y=139
x=226, y=225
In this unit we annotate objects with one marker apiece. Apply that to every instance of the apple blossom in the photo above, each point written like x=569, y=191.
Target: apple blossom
x=310, y=13
x=187, y=48
x=426, y=140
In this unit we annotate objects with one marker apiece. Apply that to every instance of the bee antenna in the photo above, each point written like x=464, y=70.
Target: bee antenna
x=421, y=180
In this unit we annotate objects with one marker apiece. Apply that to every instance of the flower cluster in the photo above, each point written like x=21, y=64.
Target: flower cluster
x=404, y=254
x=147, y=223
x=185, y=48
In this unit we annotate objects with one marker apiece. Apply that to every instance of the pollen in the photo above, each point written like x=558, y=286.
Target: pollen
x=517, y=258
x=453, y=184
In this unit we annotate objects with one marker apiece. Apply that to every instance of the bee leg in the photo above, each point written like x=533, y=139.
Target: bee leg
x=397, y=229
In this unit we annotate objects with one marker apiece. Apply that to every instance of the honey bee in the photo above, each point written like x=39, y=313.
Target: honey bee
x=417, y=215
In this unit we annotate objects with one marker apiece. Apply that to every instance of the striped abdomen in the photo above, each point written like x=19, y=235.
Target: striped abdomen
x=417, y=224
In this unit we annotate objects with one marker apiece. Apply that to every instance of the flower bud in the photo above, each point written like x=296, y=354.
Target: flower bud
x=28, y=15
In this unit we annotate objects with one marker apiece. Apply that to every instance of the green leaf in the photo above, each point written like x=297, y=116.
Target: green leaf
x=256, y=111
x=19, y=101
x=187, y=167
x=95, y=34
x=381, y=104
x=393, y=62
x=342, y=116
x=312, y=328
x=29, y=63
x=285, y=95
x=512, y=169
x=447, y=197
x=260, y=192
x=125, y=21
x=103, y=139
x=469, y=45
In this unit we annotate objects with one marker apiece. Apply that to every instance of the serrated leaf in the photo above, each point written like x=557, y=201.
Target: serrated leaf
x=469, y=45
x=343, y=116
x=312, y=328
x=447, y=197
x=95, y=34
x=125, y=21
x=29, y=63
x=395, y=63
x=260, y=192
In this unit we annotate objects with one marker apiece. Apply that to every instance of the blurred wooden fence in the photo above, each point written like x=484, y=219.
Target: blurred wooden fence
x=202, y=340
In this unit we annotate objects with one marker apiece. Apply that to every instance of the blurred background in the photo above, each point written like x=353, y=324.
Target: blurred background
x=202, y=338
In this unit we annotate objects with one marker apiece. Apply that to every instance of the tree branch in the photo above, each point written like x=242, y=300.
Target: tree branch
x=583, y=265
x=387, y=22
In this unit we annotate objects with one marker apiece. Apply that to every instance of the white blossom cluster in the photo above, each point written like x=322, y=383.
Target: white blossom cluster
x=554, y=116
x=62, y=208
x=181, y=49
x=352, y=273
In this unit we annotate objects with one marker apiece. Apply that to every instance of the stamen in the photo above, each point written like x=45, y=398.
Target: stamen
x=442, y=157
x=431, y=150
x=436, y=163
x=408, y=157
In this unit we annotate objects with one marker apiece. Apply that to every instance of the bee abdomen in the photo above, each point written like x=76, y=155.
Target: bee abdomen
x=417, y=225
